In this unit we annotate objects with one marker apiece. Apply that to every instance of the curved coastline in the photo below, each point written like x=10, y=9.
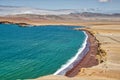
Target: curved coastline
x=111, y=72
x=75, y=60
x=89, y=59
x=82, y=51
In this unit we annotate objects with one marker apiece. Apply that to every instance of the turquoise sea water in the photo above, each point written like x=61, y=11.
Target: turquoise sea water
x=31, y=52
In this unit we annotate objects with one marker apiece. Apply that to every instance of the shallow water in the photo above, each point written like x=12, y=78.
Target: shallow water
x=31, y=52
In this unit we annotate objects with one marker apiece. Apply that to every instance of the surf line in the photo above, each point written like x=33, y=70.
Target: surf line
x=82, y=51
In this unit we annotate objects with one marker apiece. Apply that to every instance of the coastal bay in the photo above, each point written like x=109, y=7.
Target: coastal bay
x=106, y=32
x=59, y=40
x=108, y=39
x=34, y=48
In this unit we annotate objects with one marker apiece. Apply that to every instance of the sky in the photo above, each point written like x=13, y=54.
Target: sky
x=65, y=4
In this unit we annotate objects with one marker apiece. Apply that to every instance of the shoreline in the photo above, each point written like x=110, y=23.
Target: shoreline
x=82, y=51
x=69, y=71
x=89, y=59
x=108, y=35
x=108, y=56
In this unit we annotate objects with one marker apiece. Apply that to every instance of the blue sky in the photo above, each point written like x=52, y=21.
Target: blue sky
x=64, y=4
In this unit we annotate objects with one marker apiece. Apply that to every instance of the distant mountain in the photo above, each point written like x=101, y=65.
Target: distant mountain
x=13, y=10
x=90, y=14
x=61, y=14
x=8, y=10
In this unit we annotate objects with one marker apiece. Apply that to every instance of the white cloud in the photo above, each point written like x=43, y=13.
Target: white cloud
x=104, y=0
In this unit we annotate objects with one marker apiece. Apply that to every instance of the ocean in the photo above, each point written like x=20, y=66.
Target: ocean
x=31, y=52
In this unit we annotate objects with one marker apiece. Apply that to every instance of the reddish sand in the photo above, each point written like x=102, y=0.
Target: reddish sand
x=90, y=58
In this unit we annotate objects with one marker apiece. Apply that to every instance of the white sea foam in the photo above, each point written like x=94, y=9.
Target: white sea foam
x=69, y=62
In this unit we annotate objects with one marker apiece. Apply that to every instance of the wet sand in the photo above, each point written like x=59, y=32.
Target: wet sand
x=89, y=59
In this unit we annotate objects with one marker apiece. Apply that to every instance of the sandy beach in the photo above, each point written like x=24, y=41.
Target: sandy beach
x=89, y=59
x=109, y=38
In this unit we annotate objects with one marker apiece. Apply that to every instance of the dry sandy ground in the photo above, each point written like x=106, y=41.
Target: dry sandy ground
x=55, y=22
x=109, y=37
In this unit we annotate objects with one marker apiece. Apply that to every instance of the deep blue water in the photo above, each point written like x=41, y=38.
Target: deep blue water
x=31, y=52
